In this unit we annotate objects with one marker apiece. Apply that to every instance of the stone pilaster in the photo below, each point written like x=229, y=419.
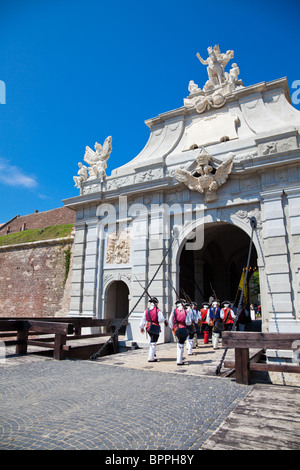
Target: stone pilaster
x=277, y=304
x=78, y=269
x=90, y=281
x=292, y=214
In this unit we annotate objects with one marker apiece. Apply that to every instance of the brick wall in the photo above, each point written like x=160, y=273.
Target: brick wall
x=37, y=220
x=32, y=278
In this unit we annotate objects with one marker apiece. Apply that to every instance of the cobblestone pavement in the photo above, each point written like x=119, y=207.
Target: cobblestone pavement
x=86, y=405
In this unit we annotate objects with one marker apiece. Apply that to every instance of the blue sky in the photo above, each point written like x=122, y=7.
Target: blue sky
x=78, y=71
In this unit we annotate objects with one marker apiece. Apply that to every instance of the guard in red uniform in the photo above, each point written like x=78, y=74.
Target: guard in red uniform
x=178, y=322
x=151, y=320
x=205, y=325
x=227, y=315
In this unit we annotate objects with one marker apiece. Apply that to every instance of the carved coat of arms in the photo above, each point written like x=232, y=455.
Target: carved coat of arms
x=203, y=179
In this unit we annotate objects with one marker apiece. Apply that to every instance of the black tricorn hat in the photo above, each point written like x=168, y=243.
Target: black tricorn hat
x=205, y=303
x=226, y=302
x=154, y=300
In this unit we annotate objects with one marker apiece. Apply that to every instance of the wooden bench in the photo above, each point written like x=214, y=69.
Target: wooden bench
x=243, y=341
x=64, y=329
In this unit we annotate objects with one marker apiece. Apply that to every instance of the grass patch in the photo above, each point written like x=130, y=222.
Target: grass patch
x=34, y=235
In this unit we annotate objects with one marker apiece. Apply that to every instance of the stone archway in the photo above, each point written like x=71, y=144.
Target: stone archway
x=117, y=301
x=216, y=268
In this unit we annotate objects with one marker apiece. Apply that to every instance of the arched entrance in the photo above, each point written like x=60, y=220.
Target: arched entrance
x=117, y=301
x=217, y=267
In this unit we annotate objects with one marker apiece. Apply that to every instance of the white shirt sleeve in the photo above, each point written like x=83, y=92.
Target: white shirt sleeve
x=188, y=318
x=208, y=317
x=161, y=318
x=171, y=325
x=143, y=321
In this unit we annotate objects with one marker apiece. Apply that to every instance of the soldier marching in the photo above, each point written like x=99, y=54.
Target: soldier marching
x=186, y=322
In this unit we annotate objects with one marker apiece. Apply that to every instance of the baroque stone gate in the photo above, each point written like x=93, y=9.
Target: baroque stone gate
x=229, y=153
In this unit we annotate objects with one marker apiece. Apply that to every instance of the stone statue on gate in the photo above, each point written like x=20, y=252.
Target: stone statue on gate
x=216, y=63
x=220, y=84
x=97, y=160
x=98, y=163
x=82, y=176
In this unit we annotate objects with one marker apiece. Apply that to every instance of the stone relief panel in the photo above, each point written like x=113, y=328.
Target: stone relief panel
x=118, y=248
x=278, y=144
x=252, y=182
x=108, y=277
x=143, y=176
x=244, y=215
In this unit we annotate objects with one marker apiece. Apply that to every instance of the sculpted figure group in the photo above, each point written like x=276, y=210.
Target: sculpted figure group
x=97, y=161
x=219, y=84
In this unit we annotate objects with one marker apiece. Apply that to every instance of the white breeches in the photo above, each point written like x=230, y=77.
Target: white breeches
x=180, y=348
x=215, y=339
x=152, y=350
x=189, y=345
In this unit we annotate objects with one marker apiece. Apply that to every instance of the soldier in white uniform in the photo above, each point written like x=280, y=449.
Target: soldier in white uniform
x=194, y=315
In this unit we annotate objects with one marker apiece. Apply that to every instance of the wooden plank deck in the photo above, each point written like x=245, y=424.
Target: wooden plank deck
x=266, y=419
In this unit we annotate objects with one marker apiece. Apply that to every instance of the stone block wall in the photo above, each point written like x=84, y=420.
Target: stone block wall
x=33, y=279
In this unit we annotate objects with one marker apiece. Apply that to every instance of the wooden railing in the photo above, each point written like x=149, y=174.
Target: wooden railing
x=243, y=341
x=19, y=332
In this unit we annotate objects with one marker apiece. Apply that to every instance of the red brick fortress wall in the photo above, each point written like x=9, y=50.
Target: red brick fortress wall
x=32, y=280
x=35, y=277
x=37, y=220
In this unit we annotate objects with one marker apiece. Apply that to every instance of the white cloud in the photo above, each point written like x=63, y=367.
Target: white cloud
x=11, y=175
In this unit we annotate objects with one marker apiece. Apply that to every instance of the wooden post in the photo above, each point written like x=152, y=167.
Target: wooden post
x=59, y=342
x=22, y=338
x=242, y=370
x=115, y=340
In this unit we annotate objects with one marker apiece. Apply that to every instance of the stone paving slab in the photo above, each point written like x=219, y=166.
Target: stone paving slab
x=123, y=403
x=85, y=405
x=202, y=362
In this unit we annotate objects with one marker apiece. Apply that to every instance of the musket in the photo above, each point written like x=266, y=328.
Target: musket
x=187, y=298
x=176, y=293
x=201, y=293
x=214, y=292
x=145, y=289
